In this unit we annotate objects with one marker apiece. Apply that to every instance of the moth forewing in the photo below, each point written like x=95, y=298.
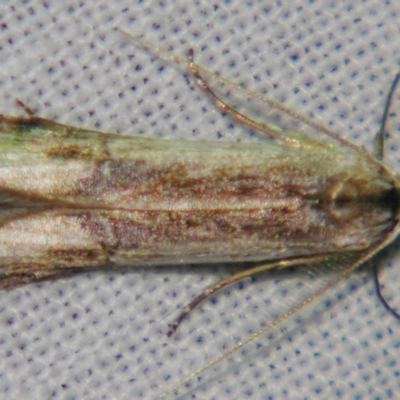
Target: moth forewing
x=119, y=200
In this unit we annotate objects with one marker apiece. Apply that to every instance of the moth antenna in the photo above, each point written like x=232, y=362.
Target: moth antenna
x=380, y=295
x=379, y=139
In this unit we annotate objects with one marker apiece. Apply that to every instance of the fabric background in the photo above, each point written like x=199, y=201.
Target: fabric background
x=102, y=335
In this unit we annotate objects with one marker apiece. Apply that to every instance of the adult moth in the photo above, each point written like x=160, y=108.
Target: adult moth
x=76, y=199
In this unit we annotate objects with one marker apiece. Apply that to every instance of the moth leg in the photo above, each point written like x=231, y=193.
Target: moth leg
x=293, y=139
x=27, y=109
x=32, y=120
x=269, y=129
x=237, y=277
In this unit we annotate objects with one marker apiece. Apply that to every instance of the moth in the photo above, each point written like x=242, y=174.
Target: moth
x=74, y=199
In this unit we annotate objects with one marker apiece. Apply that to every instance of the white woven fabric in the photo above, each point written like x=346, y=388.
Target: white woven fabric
x=101, y=335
